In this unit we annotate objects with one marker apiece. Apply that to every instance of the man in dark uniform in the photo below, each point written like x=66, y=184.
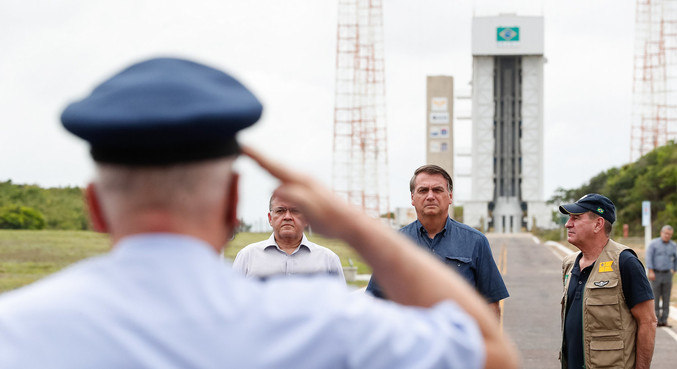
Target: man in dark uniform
x=608, y=318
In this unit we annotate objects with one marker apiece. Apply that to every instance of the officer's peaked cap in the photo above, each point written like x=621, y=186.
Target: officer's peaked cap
x=163, y=111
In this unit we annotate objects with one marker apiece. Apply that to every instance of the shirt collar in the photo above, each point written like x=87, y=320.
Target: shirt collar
x=423, y=232
x=152, y=242
x=304, y=243
x=577, y=265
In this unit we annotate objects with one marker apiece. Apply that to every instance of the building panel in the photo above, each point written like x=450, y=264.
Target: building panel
x=482, y=129
x=507, y=35
x=439, y=118
x=507, y=117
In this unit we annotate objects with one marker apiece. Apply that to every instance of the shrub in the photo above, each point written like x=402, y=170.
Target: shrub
x=20, y=217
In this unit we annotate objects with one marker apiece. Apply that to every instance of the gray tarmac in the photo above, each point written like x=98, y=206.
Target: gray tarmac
x=531, y=315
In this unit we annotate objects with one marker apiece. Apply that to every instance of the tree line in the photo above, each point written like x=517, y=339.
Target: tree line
x=32, y=207
x=653, y=177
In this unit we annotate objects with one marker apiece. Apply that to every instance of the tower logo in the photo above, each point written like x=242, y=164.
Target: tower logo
x=507, y=34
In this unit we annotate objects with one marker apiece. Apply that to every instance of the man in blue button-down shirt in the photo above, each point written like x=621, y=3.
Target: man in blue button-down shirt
x=661, y=261
x=457, y=245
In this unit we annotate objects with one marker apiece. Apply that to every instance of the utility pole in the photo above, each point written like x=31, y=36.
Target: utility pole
x=646, y=222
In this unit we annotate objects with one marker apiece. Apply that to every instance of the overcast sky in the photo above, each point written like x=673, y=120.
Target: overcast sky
x=52, y=52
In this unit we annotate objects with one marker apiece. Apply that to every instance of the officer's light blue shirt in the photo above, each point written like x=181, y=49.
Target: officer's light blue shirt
x=661, y=255
x=168, y=301
x=463, y=248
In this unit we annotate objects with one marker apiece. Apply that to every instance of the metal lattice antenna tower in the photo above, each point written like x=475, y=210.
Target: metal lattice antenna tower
x=360, y=172
x=654, y=113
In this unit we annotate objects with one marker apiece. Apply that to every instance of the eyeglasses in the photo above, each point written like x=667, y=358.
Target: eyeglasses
x=280, y=211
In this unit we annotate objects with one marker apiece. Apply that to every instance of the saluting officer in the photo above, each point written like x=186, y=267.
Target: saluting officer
x=162, y=134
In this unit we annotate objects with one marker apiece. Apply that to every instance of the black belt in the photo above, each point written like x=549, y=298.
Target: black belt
x=661, y=271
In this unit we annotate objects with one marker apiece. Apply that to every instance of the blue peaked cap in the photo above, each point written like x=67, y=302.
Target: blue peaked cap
x=163, y=111
x=594, y=202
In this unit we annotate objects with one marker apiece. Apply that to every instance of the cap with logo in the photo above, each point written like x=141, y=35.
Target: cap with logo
x=593, y=202
x=163, y=111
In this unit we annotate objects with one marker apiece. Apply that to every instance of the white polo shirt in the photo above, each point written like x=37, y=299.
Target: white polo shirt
x=266, y=259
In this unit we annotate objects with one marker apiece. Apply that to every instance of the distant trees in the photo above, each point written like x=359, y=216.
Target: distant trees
x=651, y=178
x=20, y=217
x=59, y=208
x=242, y=226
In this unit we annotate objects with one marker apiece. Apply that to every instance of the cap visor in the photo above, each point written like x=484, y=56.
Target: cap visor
x=572, y=209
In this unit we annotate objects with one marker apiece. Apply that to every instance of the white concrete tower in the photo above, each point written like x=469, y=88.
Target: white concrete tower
x=507, y=124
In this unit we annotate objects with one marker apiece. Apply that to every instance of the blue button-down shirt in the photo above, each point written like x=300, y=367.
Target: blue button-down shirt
x=463, y=248
x=661, y=255
x=168, y=301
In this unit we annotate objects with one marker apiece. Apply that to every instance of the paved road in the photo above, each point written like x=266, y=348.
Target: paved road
x=532, y=273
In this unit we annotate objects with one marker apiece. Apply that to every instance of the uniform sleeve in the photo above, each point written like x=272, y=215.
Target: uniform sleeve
x=489, y=280
x=636, y=286
x=395, y=336
x=374, y=289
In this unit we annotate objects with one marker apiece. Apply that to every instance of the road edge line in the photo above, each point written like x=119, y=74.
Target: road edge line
x=560, y=247
x=670, y=332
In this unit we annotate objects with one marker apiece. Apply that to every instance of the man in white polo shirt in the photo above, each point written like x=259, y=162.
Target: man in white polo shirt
x=287, y=251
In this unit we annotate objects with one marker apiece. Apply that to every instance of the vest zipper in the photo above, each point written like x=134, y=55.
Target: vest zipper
x=564, y=314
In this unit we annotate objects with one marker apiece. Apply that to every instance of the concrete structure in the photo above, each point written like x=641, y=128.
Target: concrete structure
x=507, y=115
x=404, y=216
x=439, y=128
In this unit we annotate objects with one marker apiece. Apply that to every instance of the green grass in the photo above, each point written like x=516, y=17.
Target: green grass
x=341, y=249
x=26, y=256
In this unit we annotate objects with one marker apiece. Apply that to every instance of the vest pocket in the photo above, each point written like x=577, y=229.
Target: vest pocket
x=606, y=353
x=603, y=309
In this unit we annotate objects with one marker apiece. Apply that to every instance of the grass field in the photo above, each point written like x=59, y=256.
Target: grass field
x=26, y=256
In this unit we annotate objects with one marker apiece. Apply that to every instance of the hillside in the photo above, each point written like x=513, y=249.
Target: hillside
x=653, y=177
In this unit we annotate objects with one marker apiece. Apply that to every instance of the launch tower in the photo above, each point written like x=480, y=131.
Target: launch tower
x=507, y=124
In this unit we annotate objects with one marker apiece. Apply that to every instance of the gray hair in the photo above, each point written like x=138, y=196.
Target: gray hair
x=186, y=188
x=667, y=228
x=270, y=202
x=607, y=224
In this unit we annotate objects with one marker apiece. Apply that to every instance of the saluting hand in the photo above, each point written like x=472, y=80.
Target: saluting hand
x=326, y=212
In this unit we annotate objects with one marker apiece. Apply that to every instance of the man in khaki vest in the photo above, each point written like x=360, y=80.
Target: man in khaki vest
x=608, y=317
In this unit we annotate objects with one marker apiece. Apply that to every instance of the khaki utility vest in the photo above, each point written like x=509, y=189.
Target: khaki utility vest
x=609, y=329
